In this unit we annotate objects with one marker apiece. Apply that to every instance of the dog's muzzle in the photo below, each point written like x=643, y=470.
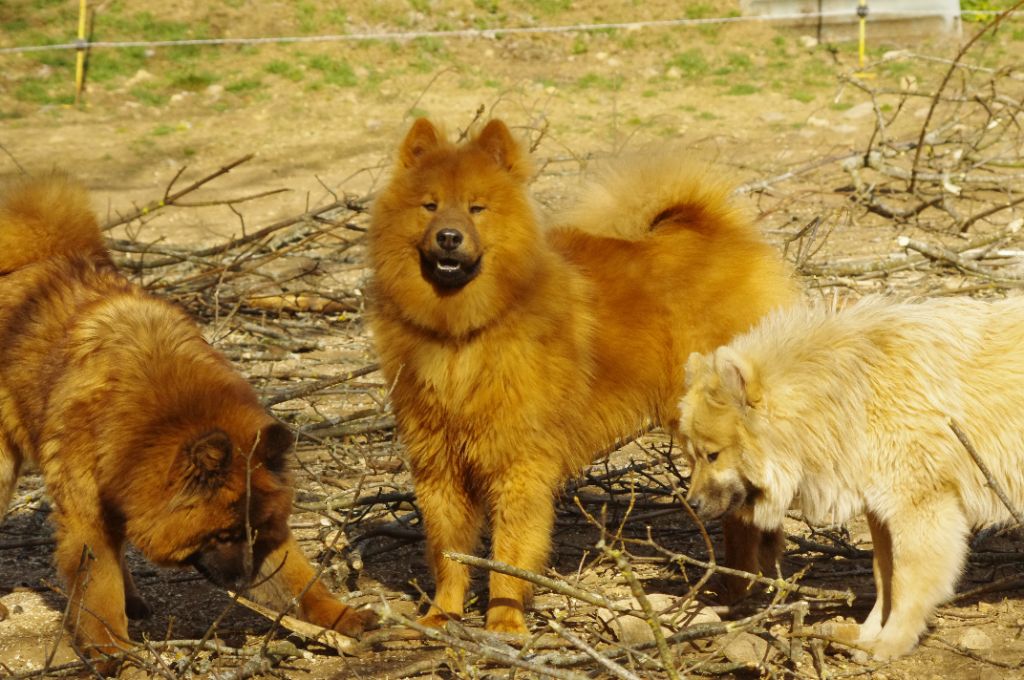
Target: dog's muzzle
x=445, y=263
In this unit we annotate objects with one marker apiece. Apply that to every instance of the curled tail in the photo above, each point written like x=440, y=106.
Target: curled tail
x=630, y=197
x=44, y=217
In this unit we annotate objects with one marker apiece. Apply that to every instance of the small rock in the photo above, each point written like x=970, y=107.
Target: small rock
x=634, y=629
x=746, y=648
x=975, y=639
x=862, y=110
x=808, y=41
x=140, y=76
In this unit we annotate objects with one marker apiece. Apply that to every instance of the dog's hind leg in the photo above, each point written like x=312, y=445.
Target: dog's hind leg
x=523, y=512
x=452, y=519
x=10, y=467
x=881, y=543
x=929, y=547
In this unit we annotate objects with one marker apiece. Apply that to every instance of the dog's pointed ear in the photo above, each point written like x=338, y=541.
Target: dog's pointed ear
x=738, y=376
x=275, y=442
x=497, y=141
x=694, y=365
x=421, y=138
x=210, y=453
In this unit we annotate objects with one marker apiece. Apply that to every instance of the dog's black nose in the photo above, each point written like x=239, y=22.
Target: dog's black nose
x=449, y=239
x=694, y=503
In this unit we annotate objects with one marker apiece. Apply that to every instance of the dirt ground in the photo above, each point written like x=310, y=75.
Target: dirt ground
x=759, y=101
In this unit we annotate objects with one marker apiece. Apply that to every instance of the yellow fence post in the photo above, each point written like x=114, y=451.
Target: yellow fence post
x=80, y=57
x=862, y=14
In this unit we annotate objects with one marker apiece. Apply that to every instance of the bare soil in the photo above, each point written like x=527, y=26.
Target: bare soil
x=577, y=97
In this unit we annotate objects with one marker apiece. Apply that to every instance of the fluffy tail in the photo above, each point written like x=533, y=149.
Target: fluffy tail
x=630, y=197
x=44, y=217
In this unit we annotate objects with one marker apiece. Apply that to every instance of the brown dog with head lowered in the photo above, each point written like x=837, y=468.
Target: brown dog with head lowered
x=515, y=355
x=143, y=432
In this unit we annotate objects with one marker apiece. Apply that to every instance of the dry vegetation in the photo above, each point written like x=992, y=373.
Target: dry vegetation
x=921, y=194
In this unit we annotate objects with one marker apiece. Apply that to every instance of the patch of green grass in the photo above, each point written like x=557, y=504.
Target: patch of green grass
x=707, y=115
x=740, y=62
x=489, y=6
x=550, y=6
x=600, y=82
x=244, y=85
x=161, y=130
x=802, y=96
x=840, y=106
x=742, y=90
x=421, y=6
x=284, y=69
x=107, y=65
x=337, y=72
x=691, y=63
x=434, y=46
x=145, y=26
x=579, y=45
x=336, y=17
x=10, y=115
x=305, y=12
x=698, y=10
x=649, y=93
x=417, y=112
x=192, y=80
x=36, y=91
x=895, y=69
x=148, y=94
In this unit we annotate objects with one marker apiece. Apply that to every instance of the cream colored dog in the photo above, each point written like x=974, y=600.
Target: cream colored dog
x=848, y=412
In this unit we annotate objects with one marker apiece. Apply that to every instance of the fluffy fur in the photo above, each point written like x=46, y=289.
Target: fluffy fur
x=516, y=355
x=143, y=432
x=847, y=412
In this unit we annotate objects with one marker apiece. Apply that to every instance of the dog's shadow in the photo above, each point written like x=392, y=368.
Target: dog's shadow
x=184, y=605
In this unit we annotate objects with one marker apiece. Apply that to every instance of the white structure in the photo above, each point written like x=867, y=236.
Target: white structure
x=839, y=19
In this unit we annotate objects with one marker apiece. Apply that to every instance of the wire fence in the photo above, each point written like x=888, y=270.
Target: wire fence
x=490, y=33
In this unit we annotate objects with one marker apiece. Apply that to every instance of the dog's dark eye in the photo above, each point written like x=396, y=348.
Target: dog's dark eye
x=476, y=209
x=430, y=207
x=713, y=456
x=229, y=536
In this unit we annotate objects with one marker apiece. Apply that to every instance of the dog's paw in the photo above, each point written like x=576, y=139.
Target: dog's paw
x=357, y=621
x=331, y=613
x=506, y=620
x=436, y=619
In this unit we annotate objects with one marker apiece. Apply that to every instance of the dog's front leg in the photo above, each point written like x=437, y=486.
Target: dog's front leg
x=748, y=548
x=522, y=517
x=929, y=547
x=89, y=562
x=452, y=519
x=286, y=574
x=881, y=544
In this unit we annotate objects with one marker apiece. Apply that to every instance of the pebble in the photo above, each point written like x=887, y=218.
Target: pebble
x=746, y=648
x=975, y=639
x=633, y=629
